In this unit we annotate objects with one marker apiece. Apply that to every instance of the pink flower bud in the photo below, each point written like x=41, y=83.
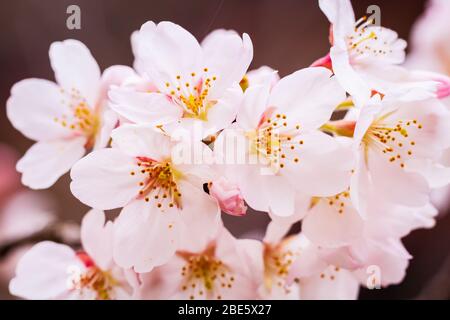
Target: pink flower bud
x=229, y=197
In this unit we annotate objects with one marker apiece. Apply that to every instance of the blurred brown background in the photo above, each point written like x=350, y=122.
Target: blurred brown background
x=287, y=35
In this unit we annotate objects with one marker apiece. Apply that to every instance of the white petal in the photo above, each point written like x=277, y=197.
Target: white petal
x=318, y=150
x=46, y=162
x=142, y=141
x=43, y=272
x=308, y=97
x=167, y=50
x=254, y=104
x=144, y=107
x=228, y=57
x=341, y=285
x=97, y=237
x=340, y=14
x=144, y=236
x=76, y=68
x=200, y=216
x=103, y=179
x=326, y=226
x=33, y=106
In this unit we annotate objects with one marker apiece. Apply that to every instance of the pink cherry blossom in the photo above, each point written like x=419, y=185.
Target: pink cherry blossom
x=366, y=57
x=196, y=83
x=398, y=145
x=295, y=257
x=55, y=271
x=163, y=201
x=283, y=145
x=64, y=118
x=225, y=268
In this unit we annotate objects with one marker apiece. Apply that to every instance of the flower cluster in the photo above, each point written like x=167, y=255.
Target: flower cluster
x=351, y=147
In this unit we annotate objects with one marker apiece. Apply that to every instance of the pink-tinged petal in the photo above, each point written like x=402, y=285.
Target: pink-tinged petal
x=261, y=75
x=149, y=108
x=276, y=231
x=167, y=50
x=76, y=68
x=254, y=104
x=200, y=217
x=228, y=196
x=318, y=150
x=390, y=256
x=436, y=174
x=330, y=285
x=46, y=162
x=301, y=97
x=97, y=238
x=310, y=262
x=106, y=179
x=114, y=75
x=223, y=113
x=109, y=121
x=145, y=237
x=253, y=186
x=340, y=14
x=333, y=222
x=142, y=141
x=245, y=260
x=33, y=106
x=395, y=185
x=227, y=56
x=345, y=257
x=137, y=63
x=398, y=221
x=348, y=78
x=43, y=272
x=281, y=196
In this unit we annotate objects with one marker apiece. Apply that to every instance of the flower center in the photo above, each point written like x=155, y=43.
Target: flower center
x=159, y=184
x=274, y=140
x=392, y=139
x=91, y=280
x=83, y=120
x=192, y=94
x=337, y=202
x=368, y=39
x=205, y=276
x=277, y=263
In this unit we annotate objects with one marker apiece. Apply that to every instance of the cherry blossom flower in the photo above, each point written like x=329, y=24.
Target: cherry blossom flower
x=64, y=118
x=162, y=197
x=55, y=271
x=294, y=256
x=399, y=144
x=430, y=51
x=225, y=268
x=347, y=240
x=282, y=143
x=365, y=57
x=196, y=83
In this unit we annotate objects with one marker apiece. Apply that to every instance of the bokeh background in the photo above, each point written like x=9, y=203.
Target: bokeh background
x=287, y=35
